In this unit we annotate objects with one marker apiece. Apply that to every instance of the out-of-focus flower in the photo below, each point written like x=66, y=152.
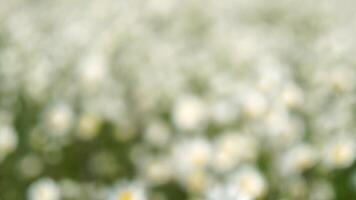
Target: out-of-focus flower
x=196, y=181
x=230, y=150
x=189, y=112
x=44, y=189
x=224, y=112
x=254, y=104
x=157, y=133
x=158, y=170
x=249, y=182
x=59, y=120
x=31, y=166
x=92, y=72
x=225, y=192
x=341, y=79
x=88, y=126
x=339, y=153
x=282, y=128
x=271, y=77
x=298, y=158
x=292, y=96
x=192, y=154
x=127, y=191
x=8, y=140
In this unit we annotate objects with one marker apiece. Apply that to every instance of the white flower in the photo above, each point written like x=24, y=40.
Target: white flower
x=231, y=148
x=59, y=119
x=249, y=182
x=196, y=181
x=337, y=79
x=189, y=112
x=93, y=72
x=292, y=96
x=38, y=79
x=44, y=189
x=88, y=126
x=271, y=78
x=157, y=133
x=299, y=158
x=341, y=79
x=225, y=192
x=8, y=140
x=281, y=128
x=127, y=191
x=340, y=152
x=223, y=111
x=158, y=171
x=192, y=154
x=254, y=104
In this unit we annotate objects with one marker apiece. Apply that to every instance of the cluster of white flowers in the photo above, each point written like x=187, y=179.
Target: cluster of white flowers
x=177, y=99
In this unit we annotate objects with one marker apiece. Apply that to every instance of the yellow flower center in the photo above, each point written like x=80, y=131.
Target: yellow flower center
x=126, y=196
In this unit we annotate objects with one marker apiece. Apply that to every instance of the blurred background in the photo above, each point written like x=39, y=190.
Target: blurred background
x=177, y=99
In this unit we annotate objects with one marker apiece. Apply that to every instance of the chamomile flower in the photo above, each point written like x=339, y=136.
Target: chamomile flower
x=298, y=159
x=249, y=182
x=127, y=191
x=339, y=152
x=88, y=127
x=254, y=104
x=192, y=154
x=230, y=150
x=226, y=192
x=92, y=72
x=189, y=112
x=44, y=189
x=59, y=119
